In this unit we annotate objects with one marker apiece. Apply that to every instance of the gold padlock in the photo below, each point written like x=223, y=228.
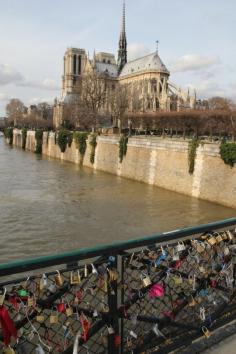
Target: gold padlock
x=75, y=278
x=224, y=236
x=206, y=332
x=69, y=311
x=211, y=240
x=40, y=318
x=58, y=279
x=219, y=238
x=230, y=235
x=193, y=302
x=53, y=319
x=178, y=280
x=30, y=301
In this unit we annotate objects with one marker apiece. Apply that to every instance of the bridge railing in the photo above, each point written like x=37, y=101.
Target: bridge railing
x=154, y=294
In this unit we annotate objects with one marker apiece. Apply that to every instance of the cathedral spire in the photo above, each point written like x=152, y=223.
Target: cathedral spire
x=122, y=52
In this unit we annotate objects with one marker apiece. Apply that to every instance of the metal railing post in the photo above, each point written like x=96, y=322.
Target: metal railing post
x=113, y=347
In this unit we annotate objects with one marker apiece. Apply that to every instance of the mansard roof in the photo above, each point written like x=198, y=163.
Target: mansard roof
x=150, y=62
x=106, y=68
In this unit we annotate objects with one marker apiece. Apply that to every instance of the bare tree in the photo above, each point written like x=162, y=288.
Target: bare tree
x=93, y=96
x=14, y=110
x=220, y=103
x=119, y=102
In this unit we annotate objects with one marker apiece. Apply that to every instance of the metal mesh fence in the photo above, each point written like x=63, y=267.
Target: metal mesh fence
x=147, y=300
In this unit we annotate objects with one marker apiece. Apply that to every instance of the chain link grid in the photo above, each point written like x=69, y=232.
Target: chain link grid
x=194, y=283
x=49, y=306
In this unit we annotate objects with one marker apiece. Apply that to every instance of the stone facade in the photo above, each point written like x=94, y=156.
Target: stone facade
x=147, y=78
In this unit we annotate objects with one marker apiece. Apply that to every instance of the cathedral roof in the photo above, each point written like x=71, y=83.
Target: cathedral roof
x=106, y=68
x=149, y=62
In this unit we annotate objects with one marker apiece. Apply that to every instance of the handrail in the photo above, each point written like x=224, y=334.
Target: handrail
x=23, y=265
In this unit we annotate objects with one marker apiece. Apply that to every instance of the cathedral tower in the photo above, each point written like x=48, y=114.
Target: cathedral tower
x=74, y=63
x=122, y=52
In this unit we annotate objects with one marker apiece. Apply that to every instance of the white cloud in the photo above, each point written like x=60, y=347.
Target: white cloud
x=137, y=50
x=194, y=62
x=36, y=100
x=46, y=84
x=4, y=97
x=9, y=75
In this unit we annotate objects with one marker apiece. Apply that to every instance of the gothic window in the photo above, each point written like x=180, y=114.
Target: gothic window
x=79, y=66
x=74, y=64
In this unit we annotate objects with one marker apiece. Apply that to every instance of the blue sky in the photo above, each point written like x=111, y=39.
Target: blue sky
x=197, y=41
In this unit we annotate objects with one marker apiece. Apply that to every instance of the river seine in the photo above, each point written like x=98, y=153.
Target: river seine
x=47, y=206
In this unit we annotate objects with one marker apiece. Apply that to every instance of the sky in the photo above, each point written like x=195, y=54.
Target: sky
x=196, y=42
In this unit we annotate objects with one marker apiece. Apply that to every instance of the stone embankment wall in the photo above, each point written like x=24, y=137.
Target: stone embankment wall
x=156, y=161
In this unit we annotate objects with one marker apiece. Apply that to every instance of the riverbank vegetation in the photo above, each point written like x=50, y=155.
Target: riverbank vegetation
x=24, y=138
x=8, y=133
x=93, y=143
x=64, y=139
x=123, y=147
x=192, y=152
x=38, y=141
x=80, y=139
x=228, y=153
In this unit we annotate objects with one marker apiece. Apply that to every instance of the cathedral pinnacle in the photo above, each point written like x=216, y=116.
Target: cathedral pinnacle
x=122, y=52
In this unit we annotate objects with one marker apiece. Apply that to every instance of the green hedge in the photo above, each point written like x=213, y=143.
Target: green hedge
x=64, y=138
x=228, y=153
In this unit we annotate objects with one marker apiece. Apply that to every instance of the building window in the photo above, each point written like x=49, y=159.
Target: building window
x=109, y=62
x=79, y=66
x=74, y=64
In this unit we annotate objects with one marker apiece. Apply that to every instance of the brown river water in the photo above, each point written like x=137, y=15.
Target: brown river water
x=47, y=207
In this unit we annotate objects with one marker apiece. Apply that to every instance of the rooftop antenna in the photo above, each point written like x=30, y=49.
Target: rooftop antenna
x=157, y=43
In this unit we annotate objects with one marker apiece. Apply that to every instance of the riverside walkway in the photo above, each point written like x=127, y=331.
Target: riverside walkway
x=156, y=294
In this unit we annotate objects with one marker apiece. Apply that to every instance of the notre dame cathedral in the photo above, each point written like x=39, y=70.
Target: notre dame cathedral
x=147, y=75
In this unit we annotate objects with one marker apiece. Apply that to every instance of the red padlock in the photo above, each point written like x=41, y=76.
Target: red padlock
x=61, y=307
x=213, y=283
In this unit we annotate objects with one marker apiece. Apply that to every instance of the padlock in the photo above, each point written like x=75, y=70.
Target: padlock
x=178, y=280
x=211, y=240
x=146, y=281
x=180, y=247
x=206, y=332
x=133, y=334
x=30, y=301
x=43, y=282
x=2, y=297
x=110, y=330
x=199, y=246
x=230, y=235
x=219, y=238
x=224, y=236
x=75, y=278
x=94, y=270
x=193, y=302
x=69, y=311
x=8, y=350
x=53, y=319
x=40, y=318
x=226, y=251
x=58, y=279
